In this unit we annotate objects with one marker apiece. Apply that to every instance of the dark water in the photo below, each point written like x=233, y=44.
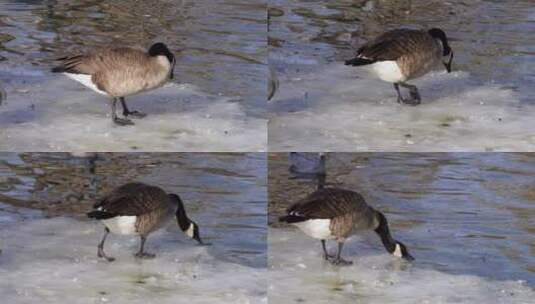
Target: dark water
x=224, y=193
x=463, y=213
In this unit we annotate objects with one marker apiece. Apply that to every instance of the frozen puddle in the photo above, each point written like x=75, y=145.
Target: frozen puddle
x=54, y=261
x=53, y=113
x=345, y=108
x=375, y=277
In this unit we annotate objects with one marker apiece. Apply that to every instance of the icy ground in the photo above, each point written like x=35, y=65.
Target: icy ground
x=49, y=112
x=375, y=277
x=335, y=107
x=54, y=261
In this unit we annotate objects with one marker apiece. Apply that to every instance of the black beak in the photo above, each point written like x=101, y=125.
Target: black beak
x=197, y=237
x=448, y=64
x=408, y=257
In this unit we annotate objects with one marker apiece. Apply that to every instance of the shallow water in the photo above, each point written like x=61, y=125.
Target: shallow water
x=215, y=103
x=468, y=219
x=49, y=247
x=484, y=105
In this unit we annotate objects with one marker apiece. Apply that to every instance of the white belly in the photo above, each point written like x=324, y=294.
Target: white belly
x=121, y=225
x=388, y=71
x=86, y=81
x=318, y=229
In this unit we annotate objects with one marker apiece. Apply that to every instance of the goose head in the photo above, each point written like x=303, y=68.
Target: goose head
x=446, y=50
x=160, y=49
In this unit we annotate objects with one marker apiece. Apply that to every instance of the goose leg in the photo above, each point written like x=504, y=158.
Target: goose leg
x=326, y=255
x=338, y=260
x=400, y=97
x=100, y=252
x=115, y=119
x=142, y=254
x=413, y=91
x=126, y=112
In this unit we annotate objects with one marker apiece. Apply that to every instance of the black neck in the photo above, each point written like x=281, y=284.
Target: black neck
x=181, y=217
x=384, y=233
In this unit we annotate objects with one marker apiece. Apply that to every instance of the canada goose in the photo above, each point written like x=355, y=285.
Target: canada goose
x=403, y=54
x=121, y=72
x=332, y=213
x=137, y=208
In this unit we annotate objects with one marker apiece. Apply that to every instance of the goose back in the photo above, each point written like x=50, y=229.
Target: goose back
x=347, y=210
x=120, y=72
x=415, y=51
x=133, y=199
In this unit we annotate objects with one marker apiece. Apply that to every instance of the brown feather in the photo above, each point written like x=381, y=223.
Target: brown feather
x=415, y=51
x=347, y=210
x=134, y=199
x=120, y=71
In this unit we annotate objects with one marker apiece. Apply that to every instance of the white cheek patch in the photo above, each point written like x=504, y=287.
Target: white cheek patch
x=190, y=231
x=397, y=251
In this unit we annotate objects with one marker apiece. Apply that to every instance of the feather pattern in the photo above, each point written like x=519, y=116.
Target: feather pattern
x=133, y=199
x=119, y=72
x=347, y=210
x=415, y=51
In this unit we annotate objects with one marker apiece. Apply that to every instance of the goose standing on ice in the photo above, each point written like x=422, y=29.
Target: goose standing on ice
x=121, y=72
x=333, y=213
x=404, y=54
x=139, y=209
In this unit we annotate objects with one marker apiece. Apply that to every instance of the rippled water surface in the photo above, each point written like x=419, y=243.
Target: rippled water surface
x=327, y=106
x=468, y=219
x=43, y=228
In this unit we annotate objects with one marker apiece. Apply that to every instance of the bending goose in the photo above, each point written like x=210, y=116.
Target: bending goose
x=121, y=72
x=333, y=213
x=139, y=209
x=403, y=54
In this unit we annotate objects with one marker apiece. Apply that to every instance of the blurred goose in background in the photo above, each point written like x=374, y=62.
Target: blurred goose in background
x=337, y=214
x=140, y=209
x=120, y=72
x=404, y=54
x=308, y=166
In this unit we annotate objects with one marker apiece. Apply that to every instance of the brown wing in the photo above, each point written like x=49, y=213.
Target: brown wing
x=133, y=199
x=115, y=59
x=329, y=203
x=394, y=44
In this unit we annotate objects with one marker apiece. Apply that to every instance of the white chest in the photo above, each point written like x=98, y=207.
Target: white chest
x=125, y=225
x=318, y=229
x=388, y=71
